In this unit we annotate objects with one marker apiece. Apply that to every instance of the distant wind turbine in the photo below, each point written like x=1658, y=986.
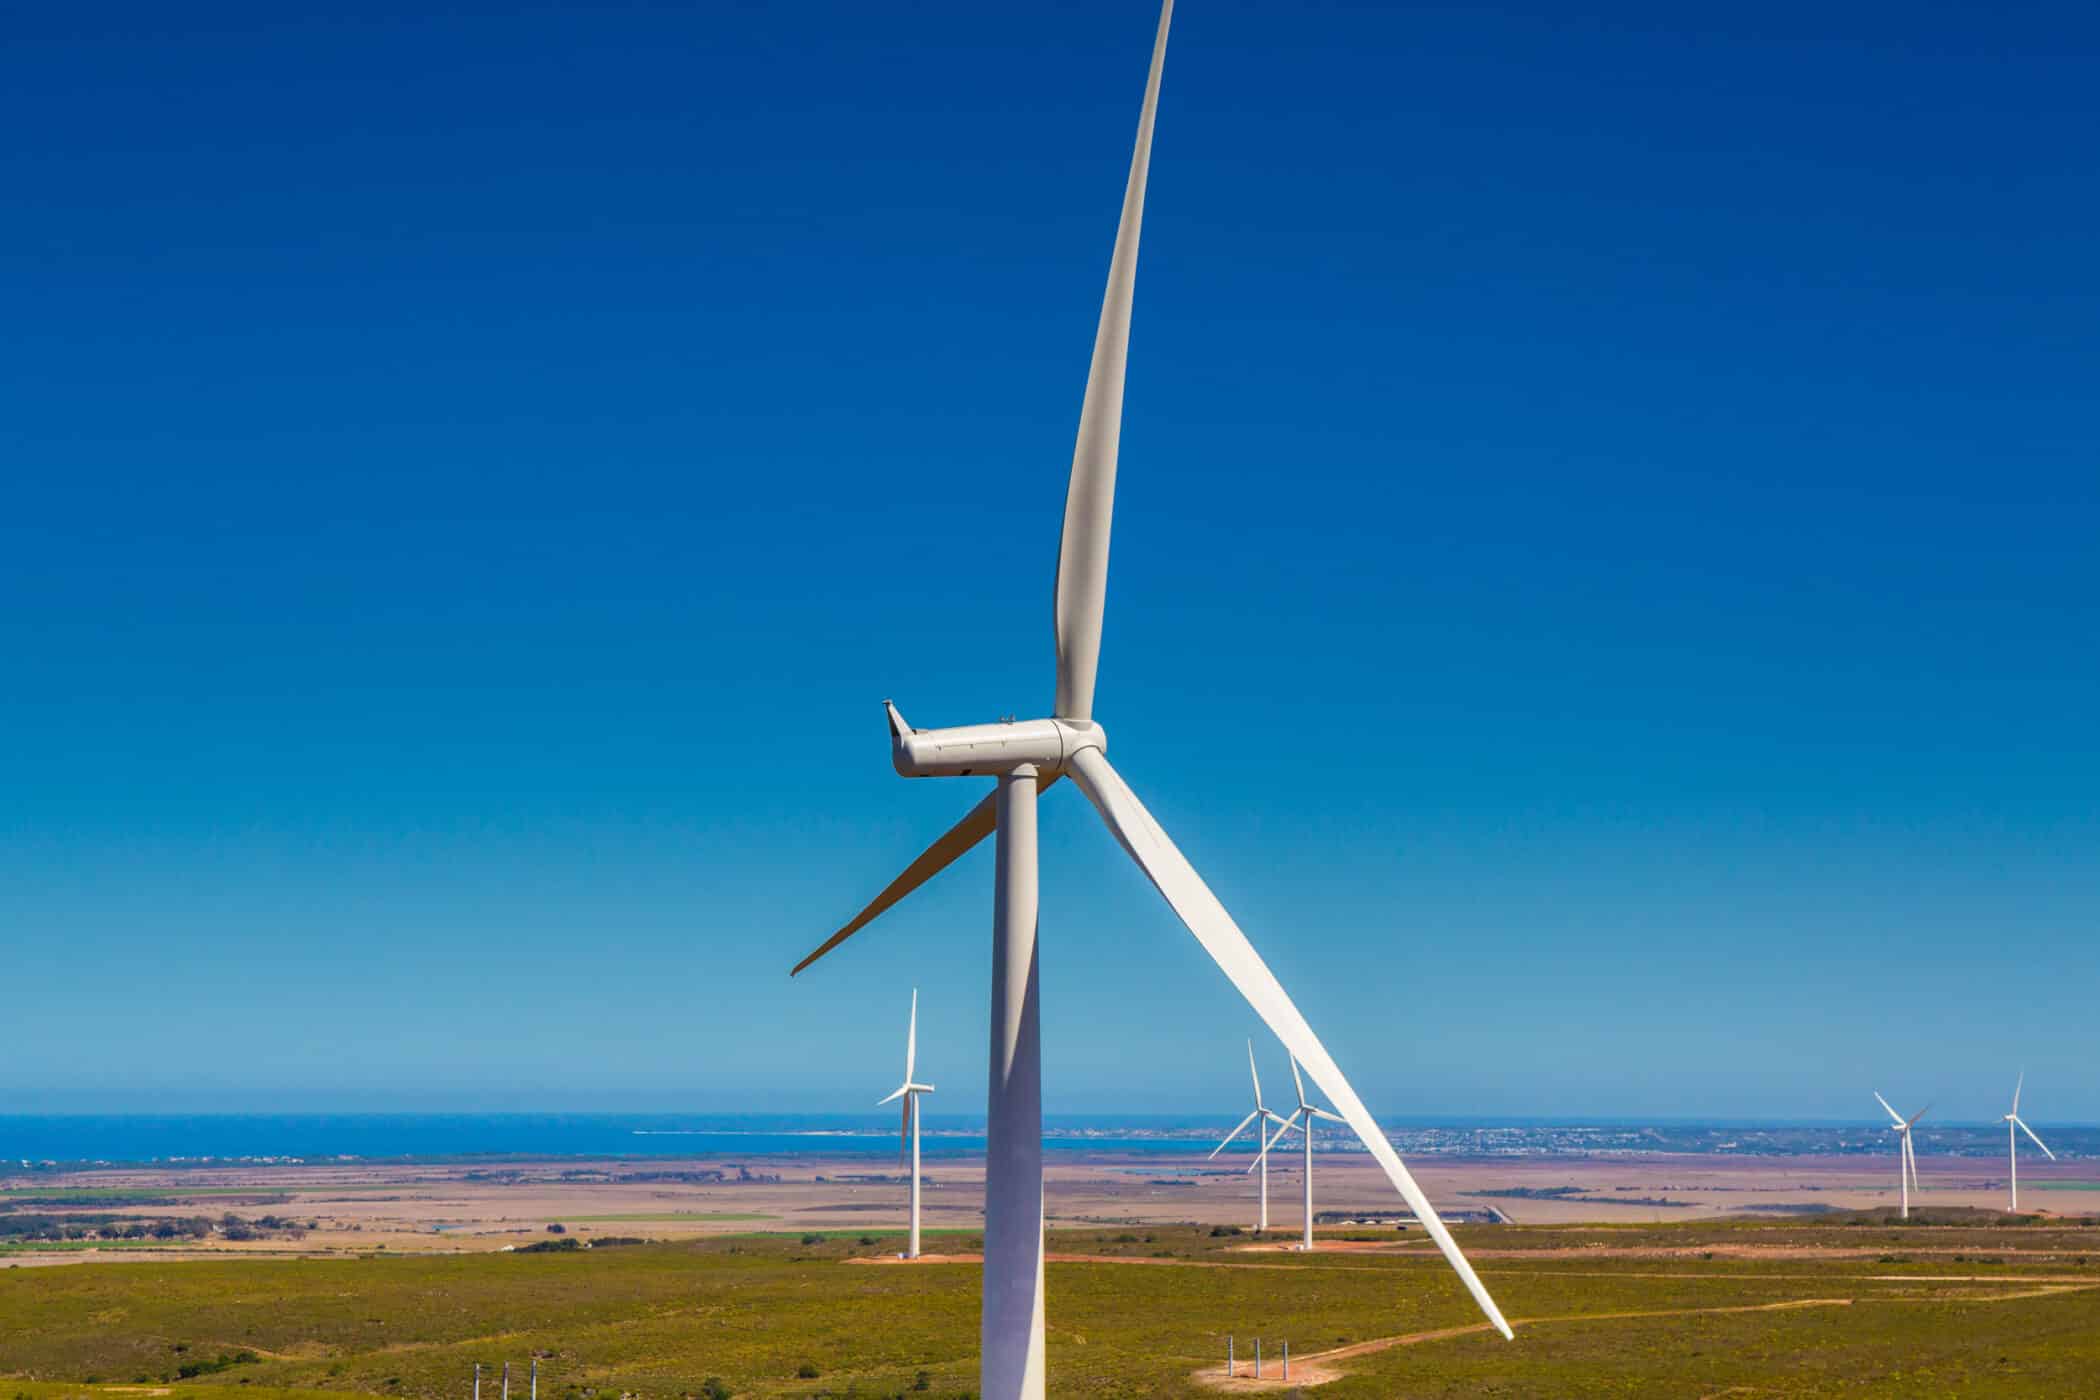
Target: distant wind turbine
x=2013, y=1120
x=1022, y=759
x=1302, y=1118
x=1260, y=1118
x=908, y=1130
x=1907, y=1161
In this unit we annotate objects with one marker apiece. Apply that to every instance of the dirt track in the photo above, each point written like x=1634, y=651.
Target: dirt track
x=1319, y=1368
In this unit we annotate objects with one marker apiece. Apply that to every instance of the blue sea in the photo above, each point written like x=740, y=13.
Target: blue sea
x=324, y=1137
x=419, y=1136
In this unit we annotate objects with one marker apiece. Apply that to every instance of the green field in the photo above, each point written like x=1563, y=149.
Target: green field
x=1859, y=1310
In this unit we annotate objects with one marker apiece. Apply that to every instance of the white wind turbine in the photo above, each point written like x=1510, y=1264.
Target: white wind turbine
x=1907, y=1157
x=1259, y=1118
x=908, y=1130
x=2012, y=1140
x=1301, y=1118
x=1023, y=758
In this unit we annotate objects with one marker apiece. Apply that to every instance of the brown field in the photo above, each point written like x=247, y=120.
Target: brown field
x=450, y=1209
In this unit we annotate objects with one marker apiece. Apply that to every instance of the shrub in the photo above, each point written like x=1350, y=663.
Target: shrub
x=713, y=1389
x=812, y=1239
x=557, y=1229
x=806, y=1371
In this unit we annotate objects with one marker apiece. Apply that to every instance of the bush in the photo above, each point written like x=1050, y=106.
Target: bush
x=806, y=1371
x=924, y=1381
x=713, y=1389
x=557, y=1229
x=812, y=1239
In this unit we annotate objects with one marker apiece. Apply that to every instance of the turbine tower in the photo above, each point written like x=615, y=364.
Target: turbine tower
x=1260, y=1118
x=908, y=1129
x=1021, y=759
x=1302, y=1117
x=1907, y=1157
x=2013, y=1120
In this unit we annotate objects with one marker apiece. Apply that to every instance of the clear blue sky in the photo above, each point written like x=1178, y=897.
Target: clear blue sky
x=471, y=476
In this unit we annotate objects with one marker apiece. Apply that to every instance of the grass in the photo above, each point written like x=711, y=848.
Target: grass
x=69, y=1246
x=2005, y=1311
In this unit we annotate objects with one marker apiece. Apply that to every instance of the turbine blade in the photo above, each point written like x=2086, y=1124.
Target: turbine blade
x=904, y=1133
x=943, y=853
x=1233, y=1134
x=911, y=1038
x=1090, y=496
x=1916, y=1116
x=1199, y=909
x=2037, y=1141
x=1330, y=1117
x=895, y=1094
x=1283, y=1125
x=1299, y=1080
x=2017, y=1084
x=1885, y=1104
x=1255, y=1075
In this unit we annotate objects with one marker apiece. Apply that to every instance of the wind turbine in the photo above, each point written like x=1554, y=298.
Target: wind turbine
x=908, y=1130
x=2012, y=1141
x=1907, y=1158
x=1302, y=1117
x=1021, y=759
x=1260, y=1117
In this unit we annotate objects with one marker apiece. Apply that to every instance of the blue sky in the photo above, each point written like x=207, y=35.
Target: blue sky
x=1604, y=582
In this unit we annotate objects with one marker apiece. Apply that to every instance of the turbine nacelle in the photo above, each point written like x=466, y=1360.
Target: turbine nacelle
x=969, y=750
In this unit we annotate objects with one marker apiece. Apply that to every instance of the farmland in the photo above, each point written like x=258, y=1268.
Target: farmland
x=1758, y=1308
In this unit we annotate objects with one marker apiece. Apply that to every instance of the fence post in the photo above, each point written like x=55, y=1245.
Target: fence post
x=1228, y=1354
x=1286, y=1360
x=1257, y=1358
x=535, y=1378
x=477, y=1380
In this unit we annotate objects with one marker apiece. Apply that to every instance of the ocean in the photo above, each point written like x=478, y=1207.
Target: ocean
x=324, y=1137
x=396, y=1136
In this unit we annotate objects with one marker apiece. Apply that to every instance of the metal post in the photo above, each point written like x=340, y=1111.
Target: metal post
x=1228, y=1354
x=535, y=1378
x=506, y=1380
x=1257, y=1358
x=1286, y=1360
x=477, y=1380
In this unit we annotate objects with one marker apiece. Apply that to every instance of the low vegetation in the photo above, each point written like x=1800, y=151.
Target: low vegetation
x=1765, y=1307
